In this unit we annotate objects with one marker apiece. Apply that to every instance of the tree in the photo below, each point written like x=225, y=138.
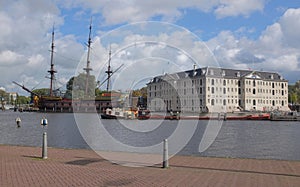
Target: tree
x=76, y=87
x=41, y=91
x=294, y=93
x=4, y=96
x=23, y=100
x=294, y=98
x=140, y=92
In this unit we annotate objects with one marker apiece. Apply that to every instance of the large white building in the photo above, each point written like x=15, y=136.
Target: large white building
x=211, y=89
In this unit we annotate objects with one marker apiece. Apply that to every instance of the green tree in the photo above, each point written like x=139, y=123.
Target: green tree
x=41, y=91
x=23, y=100
x=294, y=93
x=140, y=92
x=76, y=87
x=4, y=96
x=294, y=98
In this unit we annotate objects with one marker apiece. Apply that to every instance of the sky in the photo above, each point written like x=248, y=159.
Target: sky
x=146, y=39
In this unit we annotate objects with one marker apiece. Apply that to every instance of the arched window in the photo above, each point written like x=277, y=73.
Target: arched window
x=224, y=102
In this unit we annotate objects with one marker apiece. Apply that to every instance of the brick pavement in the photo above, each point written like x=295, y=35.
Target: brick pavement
x=23, y=166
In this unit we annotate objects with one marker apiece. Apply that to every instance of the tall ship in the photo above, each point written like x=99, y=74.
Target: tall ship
x=88, y=103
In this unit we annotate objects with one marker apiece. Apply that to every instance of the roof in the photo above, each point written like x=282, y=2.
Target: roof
x=219, y=72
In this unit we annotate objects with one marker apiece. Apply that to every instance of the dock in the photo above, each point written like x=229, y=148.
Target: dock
x=23, y=166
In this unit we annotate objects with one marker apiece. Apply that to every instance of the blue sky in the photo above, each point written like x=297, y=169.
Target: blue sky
x=245, y=34
x=205, y=25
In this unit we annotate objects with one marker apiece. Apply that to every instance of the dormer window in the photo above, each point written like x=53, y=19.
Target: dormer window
x=238, y=74
x=223, y=73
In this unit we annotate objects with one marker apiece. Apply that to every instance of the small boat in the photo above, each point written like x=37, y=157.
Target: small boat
x=286, y=116
x=259, y=117
x=143, y=114
x=117, y=113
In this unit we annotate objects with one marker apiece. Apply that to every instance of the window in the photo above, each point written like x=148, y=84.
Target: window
x=254, y=91
x=273, y=92
x=282, y=85
x=212, y=90
x=254, y=84
x=212, y=102
x=224, y=102
x=273, y=85
x=224, y=82
x=212, y=81
x=224, y=90
x=254, y=102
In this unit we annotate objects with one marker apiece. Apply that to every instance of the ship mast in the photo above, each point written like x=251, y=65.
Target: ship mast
x=108, y=72
x=52, y=71
x=87, y=68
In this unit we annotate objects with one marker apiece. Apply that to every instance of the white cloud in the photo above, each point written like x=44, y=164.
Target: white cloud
x=290, y=27
x=9, y=58
x=277, y=49
x=119, y=11
x=241, y=7
x=25, y=40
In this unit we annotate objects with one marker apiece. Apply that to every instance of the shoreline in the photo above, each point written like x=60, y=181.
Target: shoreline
x=156, y=154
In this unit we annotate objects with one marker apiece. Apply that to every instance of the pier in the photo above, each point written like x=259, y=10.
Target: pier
x=23, y=166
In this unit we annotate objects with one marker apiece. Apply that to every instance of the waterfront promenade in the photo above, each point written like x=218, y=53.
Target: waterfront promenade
x=23, y=166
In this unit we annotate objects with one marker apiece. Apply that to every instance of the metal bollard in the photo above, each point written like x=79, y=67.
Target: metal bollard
x=165, y=154
x=18, y=121
x=44, y=149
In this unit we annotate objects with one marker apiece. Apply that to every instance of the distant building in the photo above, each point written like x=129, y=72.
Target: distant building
x=12, y=97
x=211, y=89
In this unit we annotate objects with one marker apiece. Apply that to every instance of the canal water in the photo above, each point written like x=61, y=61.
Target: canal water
x=237, y=139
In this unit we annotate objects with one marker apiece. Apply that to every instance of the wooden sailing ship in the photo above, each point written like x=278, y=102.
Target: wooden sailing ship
x=53, y=103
